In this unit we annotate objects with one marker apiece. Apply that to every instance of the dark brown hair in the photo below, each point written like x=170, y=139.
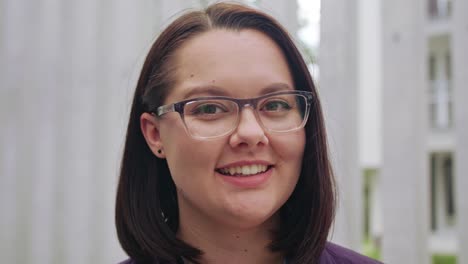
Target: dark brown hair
x=146, y=207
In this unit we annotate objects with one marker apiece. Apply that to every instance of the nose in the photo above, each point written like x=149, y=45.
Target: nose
x=249, y=133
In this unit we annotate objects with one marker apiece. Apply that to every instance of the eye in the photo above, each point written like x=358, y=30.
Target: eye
x=208, y=109
x=276, y=106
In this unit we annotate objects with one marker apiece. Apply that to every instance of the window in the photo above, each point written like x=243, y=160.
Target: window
x=433, y=192
x=432, y=67
x=448, y=66
x=442, y=195
x=448, y=186
x=439, y=8
x=432, y=5
x=448, y=75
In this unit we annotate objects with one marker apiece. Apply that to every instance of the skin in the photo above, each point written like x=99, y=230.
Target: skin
x=231, y=224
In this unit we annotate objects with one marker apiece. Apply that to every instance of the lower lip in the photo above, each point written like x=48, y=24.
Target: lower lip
x=253, y=181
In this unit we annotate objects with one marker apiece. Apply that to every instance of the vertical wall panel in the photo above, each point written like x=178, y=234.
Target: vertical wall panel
x=460, y=95
x=122, y=47
x=24, y=34
x=44, y=97
x=405, y=160
x=339, y=91
x=10, y=50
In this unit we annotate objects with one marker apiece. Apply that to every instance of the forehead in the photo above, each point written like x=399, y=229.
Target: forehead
x=227, y=58
x=220, y=40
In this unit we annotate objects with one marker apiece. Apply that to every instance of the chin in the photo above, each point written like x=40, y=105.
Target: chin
x=253, y=217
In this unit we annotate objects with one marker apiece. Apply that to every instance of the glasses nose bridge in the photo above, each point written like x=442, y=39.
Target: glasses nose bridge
x=250, y=102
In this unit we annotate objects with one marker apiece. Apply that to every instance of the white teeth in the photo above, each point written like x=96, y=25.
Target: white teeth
x=254, y=169
x=244, y=170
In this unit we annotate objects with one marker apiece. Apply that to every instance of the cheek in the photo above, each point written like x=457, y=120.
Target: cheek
x=290, y=147
x=290, y=151
x=188, y=159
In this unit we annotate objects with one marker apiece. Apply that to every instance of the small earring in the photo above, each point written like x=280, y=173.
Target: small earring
x=159, y=151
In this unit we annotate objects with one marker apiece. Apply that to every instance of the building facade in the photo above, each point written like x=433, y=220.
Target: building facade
x=412, y=70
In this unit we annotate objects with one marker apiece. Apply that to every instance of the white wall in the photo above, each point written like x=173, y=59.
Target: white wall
x=67, y=72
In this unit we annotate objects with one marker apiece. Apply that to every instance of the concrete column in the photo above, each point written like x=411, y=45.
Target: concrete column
x=77, y=112
x=405, y=159
x=122, y=47
x=339, y=93
x=12, y=24
x=370, y=83
x=19, y=90
x=460, y=95
x=43, y=91
x=104, y=247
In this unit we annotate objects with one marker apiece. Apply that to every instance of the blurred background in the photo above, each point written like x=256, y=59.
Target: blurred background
x=392, y=78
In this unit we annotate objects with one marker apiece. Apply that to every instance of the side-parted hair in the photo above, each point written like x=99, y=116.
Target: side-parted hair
x=146, y=211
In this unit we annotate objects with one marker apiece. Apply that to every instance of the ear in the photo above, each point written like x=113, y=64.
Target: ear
x=149, y=125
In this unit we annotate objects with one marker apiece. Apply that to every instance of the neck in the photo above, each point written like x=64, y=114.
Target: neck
x=229, y=245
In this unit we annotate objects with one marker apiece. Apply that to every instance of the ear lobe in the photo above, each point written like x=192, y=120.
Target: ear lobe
x=149, y=126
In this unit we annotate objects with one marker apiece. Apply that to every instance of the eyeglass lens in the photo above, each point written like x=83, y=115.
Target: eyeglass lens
x=217, y=117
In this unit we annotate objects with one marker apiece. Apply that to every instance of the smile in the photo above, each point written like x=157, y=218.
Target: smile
x=246, y=170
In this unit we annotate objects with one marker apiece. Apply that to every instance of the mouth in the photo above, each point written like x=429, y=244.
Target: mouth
x=244, y=171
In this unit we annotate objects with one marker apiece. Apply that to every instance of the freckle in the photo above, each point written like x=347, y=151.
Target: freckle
x=245, y=250
x=213, y=81
x=191, y=75
x=237, y=236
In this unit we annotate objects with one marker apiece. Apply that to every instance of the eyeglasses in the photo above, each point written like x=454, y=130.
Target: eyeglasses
x=217, y=116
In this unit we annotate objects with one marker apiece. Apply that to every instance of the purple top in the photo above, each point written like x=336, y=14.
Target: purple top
x=333, y=254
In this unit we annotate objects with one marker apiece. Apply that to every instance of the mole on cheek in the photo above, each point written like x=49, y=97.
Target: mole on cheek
x=191, y=75
x=213, y=81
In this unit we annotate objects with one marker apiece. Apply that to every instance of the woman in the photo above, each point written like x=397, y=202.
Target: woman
x=226, y=158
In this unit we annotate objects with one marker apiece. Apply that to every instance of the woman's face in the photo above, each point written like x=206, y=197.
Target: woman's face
x=242, y=64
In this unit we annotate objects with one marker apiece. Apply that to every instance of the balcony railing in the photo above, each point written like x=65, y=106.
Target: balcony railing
x=440, y=104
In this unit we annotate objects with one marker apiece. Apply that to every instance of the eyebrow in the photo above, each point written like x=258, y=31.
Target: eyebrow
x=213, y=90
x=276, y=87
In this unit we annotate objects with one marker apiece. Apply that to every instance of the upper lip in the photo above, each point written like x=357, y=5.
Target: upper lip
x=245, y=163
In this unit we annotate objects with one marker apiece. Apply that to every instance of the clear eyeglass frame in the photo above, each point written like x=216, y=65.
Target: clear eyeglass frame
x=179, y=107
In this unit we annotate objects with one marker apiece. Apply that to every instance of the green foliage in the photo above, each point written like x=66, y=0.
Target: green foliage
x=370, y=250
x=444, y=259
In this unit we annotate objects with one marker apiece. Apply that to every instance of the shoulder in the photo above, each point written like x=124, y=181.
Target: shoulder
x=334, y=254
